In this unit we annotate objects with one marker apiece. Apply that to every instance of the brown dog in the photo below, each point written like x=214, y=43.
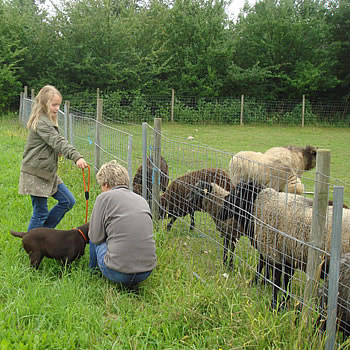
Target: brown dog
x=62, y=245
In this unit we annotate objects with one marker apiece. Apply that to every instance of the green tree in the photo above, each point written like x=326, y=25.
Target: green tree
x=11, y=57
x=192, y=48
x=339, y=19
x=291, y=43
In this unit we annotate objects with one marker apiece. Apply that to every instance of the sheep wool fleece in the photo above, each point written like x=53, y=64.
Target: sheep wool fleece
x=123, y=219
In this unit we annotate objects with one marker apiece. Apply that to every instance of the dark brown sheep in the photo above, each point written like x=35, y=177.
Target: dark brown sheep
x=174, y=201
x=164, y=178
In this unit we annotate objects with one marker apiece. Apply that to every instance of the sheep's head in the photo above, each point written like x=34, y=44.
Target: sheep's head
x=310, y=153
x=239, y=202
x=197, y=193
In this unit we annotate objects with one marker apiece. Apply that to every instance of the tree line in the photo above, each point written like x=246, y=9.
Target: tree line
x=274, y=49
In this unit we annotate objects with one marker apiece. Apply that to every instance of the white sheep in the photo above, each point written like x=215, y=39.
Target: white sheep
x=279, y=167
x=282, y=225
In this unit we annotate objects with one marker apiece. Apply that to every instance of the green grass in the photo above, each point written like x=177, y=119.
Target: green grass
x=69, y=308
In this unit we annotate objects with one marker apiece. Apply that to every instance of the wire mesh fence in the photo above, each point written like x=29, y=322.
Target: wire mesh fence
x=125, y=107
x=265, y=235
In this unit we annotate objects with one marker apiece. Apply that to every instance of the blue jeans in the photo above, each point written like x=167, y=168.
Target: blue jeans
x=97, y=254
x=42, y=217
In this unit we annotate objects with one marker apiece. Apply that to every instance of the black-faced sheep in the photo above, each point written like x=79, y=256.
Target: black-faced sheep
x=282, y=225
x=174, y=202
x=279, y=167
x=209, y=198
x=343, y=305
x=164, y=178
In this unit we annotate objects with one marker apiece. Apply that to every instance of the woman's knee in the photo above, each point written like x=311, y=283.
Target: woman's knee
x=66, y=200
x=71, y=202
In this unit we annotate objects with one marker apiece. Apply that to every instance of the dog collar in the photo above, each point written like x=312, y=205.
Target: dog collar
x=82, y=233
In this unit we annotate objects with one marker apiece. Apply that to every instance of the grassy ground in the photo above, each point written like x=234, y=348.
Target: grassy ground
x=188, y=302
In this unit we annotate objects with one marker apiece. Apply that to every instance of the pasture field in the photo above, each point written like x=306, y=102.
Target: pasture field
x=185, y=304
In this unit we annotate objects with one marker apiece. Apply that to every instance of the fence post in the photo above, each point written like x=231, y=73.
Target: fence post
x=303, y=112
x=20, y=112
x=70, y=127
x=66, y=119
x=317, y=239
x=26, y=92
x=130, y=160
x=242, y=106
x=144, y=160
x=338, y=199
x=172, y=104
x=32, y=94
x=98, y=136
x=156, y=167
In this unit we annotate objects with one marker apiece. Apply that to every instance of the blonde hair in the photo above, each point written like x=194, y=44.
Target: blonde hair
x=112, y=174
x=41, y=106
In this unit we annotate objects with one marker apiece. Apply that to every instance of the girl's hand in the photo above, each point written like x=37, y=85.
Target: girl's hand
x=81, y=163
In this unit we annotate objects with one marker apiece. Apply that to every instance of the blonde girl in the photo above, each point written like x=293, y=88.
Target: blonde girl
x=38, y=176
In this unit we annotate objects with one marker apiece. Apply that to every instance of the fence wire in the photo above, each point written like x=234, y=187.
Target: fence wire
x=121, y=107
x=266, y=236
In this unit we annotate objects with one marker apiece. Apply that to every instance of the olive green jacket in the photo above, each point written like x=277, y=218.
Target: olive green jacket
x=40, y=159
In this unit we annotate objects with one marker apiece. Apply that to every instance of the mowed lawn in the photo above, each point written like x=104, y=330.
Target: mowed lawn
x=183, y=305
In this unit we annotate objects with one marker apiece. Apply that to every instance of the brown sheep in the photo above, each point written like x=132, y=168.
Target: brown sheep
x=210, y=198
x=164, y=178
x=174, y=201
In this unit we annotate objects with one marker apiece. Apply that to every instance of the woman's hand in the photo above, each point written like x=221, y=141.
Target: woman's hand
x=81, y=163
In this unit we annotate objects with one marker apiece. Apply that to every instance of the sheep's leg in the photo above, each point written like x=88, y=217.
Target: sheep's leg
x=267, y=271
x=288, y=273
x=259, y=268
x=224, y=258
x=170, y=224
x=345, y=328
x=229, y=248
x=276, y=285
x=232, y=243
x=192, y=220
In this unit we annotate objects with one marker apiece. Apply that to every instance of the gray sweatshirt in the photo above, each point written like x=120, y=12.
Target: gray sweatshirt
x=123, y=219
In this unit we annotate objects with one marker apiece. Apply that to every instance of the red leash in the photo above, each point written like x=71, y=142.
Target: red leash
x=86, y=192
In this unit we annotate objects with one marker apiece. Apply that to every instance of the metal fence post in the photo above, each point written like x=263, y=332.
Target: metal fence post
x=156, y=167
x=144, y=160
x=303, y=113
x=98, y=134
x=20, y=112
x=338, y=200
x=66, y=120
x=130, y=160
x=172, y=104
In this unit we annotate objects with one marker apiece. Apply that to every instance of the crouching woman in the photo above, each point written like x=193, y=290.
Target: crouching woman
x=121, y=230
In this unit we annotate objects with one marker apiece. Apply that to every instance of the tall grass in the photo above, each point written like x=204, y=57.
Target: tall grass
x=181, y=306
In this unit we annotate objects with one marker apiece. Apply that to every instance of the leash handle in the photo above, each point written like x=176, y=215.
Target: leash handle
x=86, y=191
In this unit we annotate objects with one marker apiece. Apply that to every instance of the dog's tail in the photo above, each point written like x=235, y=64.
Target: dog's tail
x=18, y=234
